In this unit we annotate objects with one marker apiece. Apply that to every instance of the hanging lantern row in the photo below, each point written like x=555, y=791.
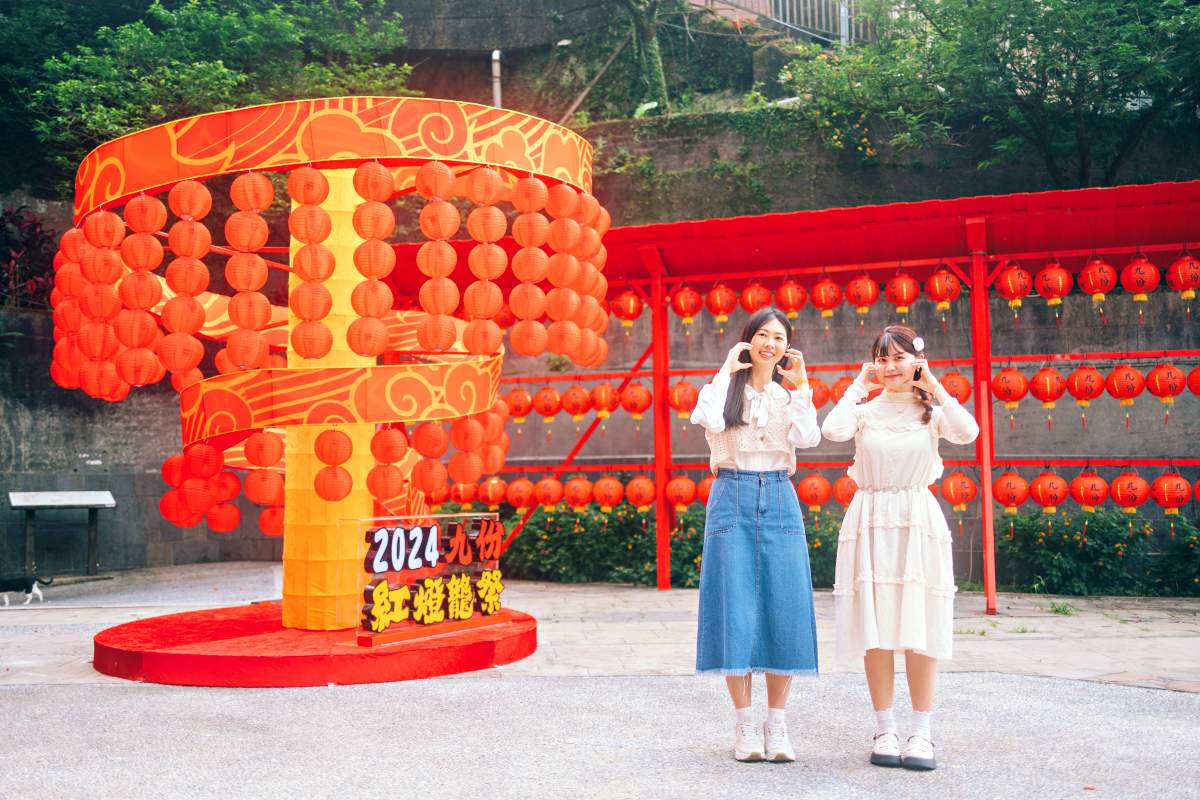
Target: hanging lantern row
x=825, y=295
x=1124, y=382
x=636, y=399
x=1128, y=491
x=1139, y=278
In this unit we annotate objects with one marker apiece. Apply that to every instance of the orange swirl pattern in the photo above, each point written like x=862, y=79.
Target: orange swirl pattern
x=240, y=402
x=328, y=132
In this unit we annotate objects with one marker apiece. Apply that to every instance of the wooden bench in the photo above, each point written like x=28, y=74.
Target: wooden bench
x=32, y=502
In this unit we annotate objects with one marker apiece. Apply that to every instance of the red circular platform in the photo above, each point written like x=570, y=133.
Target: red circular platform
x=248, y=646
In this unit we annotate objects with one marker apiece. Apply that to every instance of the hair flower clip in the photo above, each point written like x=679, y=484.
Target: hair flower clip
x=919, y=344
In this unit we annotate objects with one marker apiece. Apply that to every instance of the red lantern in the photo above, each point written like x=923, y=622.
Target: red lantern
x=1013, y=283
x=1193, y=380
x=814, y=490
x=1125, y=383
x=429, y=476
x=199, y=494
x=704, y=488
x=1053, y=282
x=635, y=399
x=385, y=481
x=1129, y=490
x=466, y=434
x=434, y=179
x=1047, y=385
x=1166, y=382
x=1171, y=492
x=1183, y=276
x=943, y=287
x=367, y=336
x=957, y=385
x=627, y=307
x=755, y=296
x=790, y=297
x=104, y=229
x=1097, y=278
x=820, y=392
x=958, y=489
x=548, y=492
x=720, y=301
x=439, y=219
x=465, y=467
x=333, y=483
x=1048, y=491
x=333, y=447
x=641, y=493
x=844, y=489
x=189, y=200
x=520, y=403
x=1139, y=278
x=605, y=399
x=826, y=295
x=608, y=492
x=1010, y=386
x=547, y=402
x=682, y=397
x=430, y=440
x=1089, y=490
x=145, y=214
x=1010, y=491
x=264, y=449
x=681, y=492
x=492, y=492
x=311, y=339
x=902, y=290
x=686, y=302
x=203, y=460
x=578, y=492
x=437, y=333
x=862, y=293
x=839, y=388
x=1085, y=385
x=519, y=493
x=576, y=401
x=139, y=366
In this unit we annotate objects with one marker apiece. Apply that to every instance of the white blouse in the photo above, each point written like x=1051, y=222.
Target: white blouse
x=777, y=422
x=893, y=448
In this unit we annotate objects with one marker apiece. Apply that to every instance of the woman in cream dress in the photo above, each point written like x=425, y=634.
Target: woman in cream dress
x=894, y=585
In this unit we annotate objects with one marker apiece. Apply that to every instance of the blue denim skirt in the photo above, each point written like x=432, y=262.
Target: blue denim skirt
x=756, y=605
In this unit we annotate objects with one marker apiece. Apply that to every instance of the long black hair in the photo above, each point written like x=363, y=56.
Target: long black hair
x=737, y=386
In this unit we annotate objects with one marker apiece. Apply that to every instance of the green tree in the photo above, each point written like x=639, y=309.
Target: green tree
x=1077, y=83
x=203, y=55
x=644, y=15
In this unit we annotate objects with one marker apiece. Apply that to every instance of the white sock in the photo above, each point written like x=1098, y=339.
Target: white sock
x=921, y=720
x=776, y=716
x=745, y=715
x=885, y=722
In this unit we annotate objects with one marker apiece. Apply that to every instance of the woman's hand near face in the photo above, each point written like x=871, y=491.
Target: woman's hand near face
x=866, y=377
x=796, y=372
x=927, y=382
x=733, y=363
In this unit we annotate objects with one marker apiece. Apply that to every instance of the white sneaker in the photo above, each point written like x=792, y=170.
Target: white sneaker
x=748, y=742
x=886, y=752
x=779, y=746
x=918, y=754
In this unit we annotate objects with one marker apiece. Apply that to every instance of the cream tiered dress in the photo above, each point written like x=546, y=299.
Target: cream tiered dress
x=894, y=580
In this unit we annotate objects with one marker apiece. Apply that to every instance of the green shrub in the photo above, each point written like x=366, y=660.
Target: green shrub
x=1103, y=553
x=619, y=546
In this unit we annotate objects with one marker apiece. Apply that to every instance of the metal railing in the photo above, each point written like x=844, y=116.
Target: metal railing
x=825, y=20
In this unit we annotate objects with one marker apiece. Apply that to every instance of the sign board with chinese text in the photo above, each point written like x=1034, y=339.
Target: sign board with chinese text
x=430, y=575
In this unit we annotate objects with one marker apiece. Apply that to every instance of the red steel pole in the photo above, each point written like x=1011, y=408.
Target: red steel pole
x=663, y=512
x=981, y=350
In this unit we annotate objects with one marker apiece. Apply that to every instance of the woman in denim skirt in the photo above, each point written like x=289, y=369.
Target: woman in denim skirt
x=756, y=610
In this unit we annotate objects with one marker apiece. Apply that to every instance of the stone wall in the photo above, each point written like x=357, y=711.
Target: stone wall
x=54, y=439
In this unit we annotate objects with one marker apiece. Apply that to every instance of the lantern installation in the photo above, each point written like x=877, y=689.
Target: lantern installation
x=1166, y=382
x=1098, y=278
x=1089, y=490
x=1183, y=276
x=1010, y=386
x=1139, y=278
x=959, y=489
x=1014, y=283
x=943, y=288
x=1053, y=282
x=1085, y=385
x=1048, y=385
x=1171, y=491
x=902, y=290
x=1125, y=383
x=339, y=456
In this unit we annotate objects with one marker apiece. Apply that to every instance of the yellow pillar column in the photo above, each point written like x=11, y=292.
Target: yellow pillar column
x=323, y=574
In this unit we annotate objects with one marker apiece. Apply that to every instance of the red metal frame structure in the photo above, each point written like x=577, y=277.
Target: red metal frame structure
x=970, y=236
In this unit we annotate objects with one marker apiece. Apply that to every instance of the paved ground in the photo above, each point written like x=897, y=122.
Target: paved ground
x=1037, y=703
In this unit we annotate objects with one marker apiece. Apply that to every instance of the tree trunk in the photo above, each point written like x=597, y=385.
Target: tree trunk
x=649, y=55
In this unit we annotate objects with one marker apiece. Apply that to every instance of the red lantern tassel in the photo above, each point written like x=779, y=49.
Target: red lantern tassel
x=1082, y=420
x=1141, y=317
x=1103, y=317
x=1131, y=529
x=1012, y=422
x=1172, y=529
x=1057, y=318
x=1010, y=529
x=1126, y=420
x=1167, y=417
x=1085, y=524
x=1049, y=422
x=960, y=527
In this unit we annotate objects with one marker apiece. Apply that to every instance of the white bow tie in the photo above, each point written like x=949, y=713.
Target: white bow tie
x=760, y=411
